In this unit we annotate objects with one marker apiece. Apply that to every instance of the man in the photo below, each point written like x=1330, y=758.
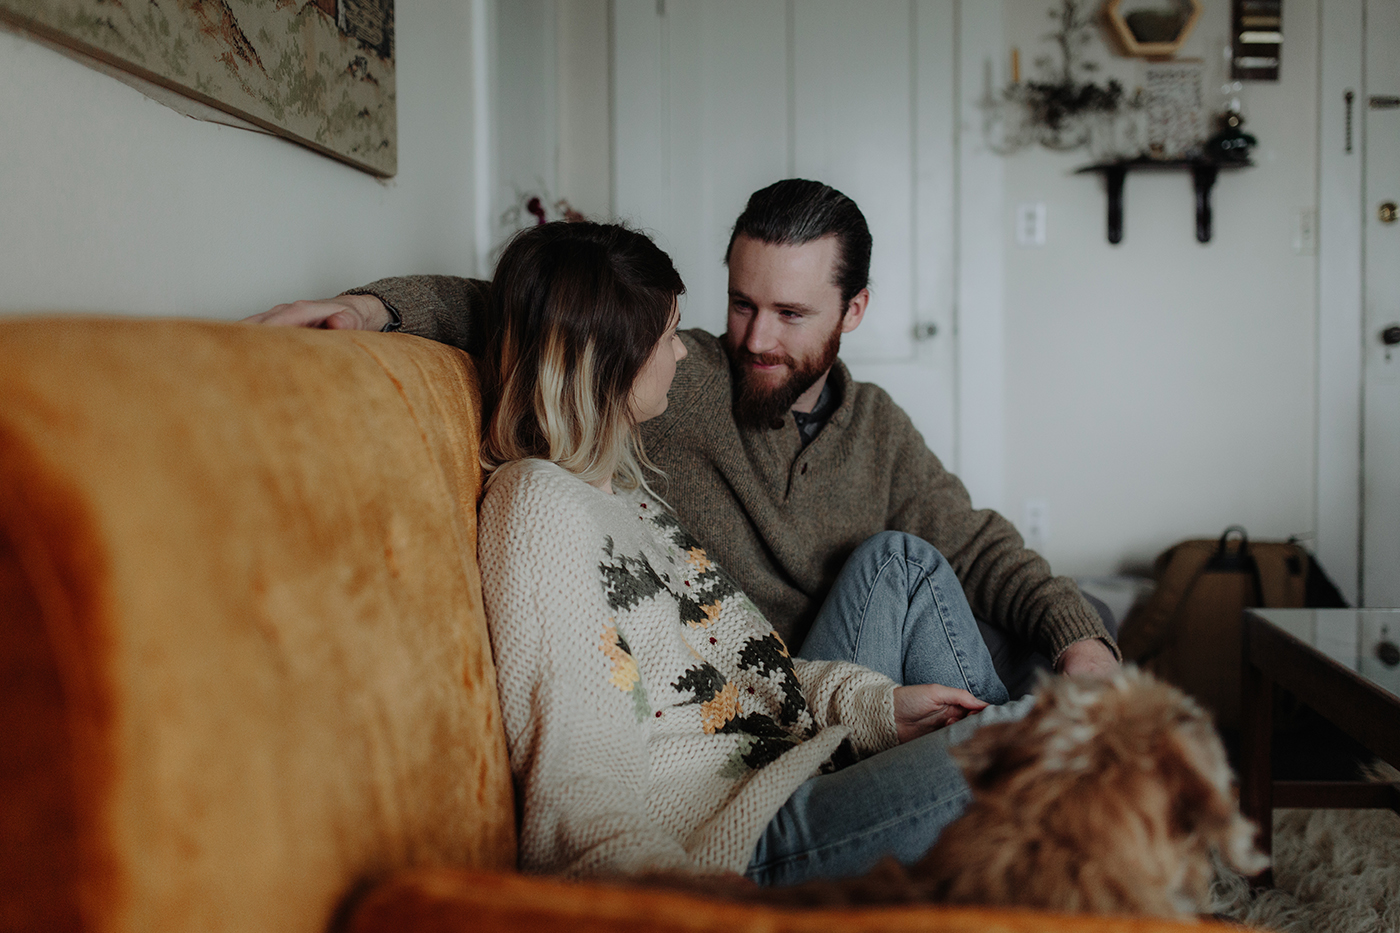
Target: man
x=775, y=457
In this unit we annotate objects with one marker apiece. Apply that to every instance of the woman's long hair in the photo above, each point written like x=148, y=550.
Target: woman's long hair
x=579, y=309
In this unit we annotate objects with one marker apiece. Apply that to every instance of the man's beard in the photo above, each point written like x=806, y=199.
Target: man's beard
x=759, y=403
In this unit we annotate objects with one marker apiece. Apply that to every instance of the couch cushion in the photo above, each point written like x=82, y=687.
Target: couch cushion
x=445, y=900
x=247, y=667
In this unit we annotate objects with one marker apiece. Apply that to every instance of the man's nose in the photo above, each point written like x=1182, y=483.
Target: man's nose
x=762, y=334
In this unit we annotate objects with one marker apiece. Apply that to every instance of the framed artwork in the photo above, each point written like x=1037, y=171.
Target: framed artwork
x=1176, y=118
x=318, y=72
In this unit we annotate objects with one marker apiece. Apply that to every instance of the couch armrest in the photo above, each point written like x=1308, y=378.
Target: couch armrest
x=243, y=663
x=439, y=900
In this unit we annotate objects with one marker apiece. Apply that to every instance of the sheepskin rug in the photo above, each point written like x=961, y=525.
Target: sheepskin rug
x=1335, y=871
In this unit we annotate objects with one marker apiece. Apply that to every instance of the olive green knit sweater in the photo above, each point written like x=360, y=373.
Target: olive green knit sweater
x=782, y=519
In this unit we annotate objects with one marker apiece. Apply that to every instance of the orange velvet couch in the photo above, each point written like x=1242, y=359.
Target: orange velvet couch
x=245, y=681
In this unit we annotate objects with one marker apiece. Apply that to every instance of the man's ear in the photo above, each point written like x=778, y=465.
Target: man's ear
x=855, y=311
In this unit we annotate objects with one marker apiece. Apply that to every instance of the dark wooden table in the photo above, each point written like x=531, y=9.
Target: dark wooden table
x=1345, y=664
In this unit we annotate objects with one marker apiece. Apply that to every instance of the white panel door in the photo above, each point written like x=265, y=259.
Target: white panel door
x=717, y=98
x=1380, y=572
x=701, y=122
x=854, y=81
x=875, y=108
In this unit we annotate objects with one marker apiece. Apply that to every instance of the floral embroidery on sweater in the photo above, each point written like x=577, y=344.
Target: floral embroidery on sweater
x=768, y=656
x=628, y=580
x=762, y=737
x=625, y=676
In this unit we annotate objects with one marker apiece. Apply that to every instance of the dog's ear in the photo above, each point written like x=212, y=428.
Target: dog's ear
x=1206, y=803
x=993, y=753
x=1198, y=801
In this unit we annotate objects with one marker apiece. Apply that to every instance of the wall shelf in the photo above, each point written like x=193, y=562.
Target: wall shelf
x=1203, y=175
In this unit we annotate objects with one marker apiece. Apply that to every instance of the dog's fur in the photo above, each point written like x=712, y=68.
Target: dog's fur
x=1108, y=797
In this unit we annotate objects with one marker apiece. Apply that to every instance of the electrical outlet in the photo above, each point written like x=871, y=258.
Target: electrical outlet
x=1305, y=235
x=1030, y=223
x=1035, y=526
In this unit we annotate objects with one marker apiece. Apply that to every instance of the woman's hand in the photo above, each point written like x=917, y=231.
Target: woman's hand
x=926, y=708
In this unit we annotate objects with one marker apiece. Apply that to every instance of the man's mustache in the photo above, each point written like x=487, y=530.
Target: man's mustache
x=767, y=359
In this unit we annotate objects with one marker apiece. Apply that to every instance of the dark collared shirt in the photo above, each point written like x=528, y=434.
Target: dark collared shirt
x=809, y=424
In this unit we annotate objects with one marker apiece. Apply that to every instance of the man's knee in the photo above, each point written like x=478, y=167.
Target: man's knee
x=909, y=548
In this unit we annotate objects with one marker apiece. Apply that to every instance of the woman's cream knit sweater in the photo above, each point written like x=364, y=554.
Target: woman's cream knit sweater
x=653, y=718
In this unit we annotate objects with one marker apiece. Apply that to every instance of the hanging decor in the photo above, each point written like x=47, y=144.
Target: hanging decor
x=1256, y=33
x=1151, y=29
x=1063, y=108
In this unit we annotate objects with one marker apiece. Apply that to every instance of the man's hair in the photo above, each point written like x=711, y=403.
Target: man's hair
x=579, y=308
x=796, y=211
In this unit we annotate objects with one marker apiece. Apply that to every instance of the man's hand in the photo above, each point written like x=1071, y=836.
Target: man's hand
x=344, y=312
x=1090, y=658
x=926, y=708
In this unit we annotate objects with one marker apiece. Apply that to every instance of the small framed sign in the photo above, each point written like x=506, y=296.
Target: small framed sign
x=1175, y=109
x=1256, y=40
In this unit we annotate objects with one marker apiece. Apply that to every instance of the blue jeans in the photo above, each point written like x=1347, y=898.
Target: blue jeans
x=897, y=608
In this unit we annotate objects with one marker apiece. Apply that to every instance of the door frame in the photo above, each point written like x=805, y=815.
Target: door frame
x=979, y=241
x=1340, y=317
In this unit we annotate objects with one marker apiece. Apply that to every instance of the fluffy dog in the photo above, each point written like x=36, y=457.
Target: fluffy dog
x=1107, y=797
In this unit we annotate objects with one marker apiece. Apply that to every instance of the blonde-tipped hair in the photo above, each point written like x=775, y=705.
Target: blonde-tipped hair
x=579, y=308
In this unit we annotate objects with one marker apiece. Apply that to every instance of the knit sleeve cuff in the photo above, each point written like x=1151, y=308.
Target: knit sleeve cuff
x=867, y=709
x=447, y=309
x=1075, y=624
x=854, y=696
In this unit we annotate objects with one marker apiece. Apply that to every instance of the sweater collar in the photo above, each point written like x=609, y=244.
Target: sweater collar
x=839, y=380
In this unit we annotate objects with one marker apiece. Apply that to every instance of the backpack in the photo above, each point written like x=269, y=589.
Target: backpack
x=1189, y=631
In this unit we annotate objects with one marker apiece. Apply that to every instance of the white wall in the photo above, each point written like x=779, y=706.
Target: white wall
x=1161, y=388
x=525, y=120
x=110, y=202
x=585, y=115
x=551, y=112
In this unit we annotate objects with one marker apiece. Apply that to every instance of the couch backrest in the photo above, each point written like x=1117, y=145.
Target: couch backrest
x=243, y=666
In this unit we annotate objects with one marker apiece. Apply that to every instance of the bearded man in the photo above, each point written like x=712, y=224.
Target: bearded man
x=775, y=457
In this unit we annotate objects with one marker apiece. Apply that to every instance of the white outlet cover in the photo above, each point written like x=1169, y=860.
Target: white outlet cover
x=1030, y=223
x=1035, y=525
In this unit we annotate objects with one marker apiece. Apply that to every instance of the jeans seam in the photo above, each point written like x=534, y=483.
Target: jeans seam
x=953, y=643
x=865, y=606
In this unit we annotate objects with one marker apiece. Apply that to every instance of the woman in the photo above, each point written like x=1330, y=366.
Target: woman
x=654, y=721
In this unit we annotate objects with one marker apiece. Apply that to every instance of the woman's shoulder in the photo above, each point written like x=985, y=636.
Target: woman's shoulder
x=538, y=493
x=532, y=479
x=523, y=488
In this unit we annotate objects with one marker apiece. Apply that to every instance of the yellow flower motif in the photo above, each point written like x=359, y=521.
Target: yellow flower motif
x=697, y=559
x=624, y=668
x=718, y=711
x=711, y=615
